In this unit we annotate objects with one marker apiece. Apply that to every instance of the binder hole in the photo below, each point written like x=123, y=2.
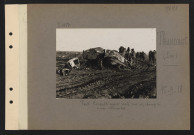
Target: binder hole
x=10, y=33
x=10, y=46
x=10, y=89
x=11, y=101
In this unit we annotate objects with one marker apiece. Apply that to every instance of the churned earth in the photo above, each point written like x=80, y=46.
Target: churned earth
x=109, y=83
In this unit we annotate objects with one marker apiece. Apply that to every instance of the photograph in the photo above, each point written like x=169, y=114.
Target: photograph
x=106, y=63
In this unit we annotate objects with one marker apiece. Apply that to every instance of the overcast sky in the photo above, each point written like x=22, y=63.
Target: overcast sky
x=141, y=39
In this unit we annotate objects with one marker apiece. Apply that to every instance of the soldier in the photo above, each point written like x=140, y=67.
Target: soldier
x=127, y=56
x=128, y=50
x=150, y=57
x=142, y=55
x=154, y=57
x=122, y=51
x=132, y=56
x=137, y=55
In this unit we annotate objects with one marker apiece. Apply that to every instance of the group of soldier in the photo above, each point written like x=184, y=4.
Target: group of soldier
x=131, y=56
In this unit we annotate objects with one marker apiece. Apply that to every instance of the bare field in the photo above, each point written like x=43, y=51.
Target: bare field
x=83, y=83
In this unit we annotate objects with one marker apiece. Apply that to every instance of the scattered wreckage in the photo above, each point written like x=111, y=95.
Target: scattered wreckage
x=99, y=57
x=69, y=65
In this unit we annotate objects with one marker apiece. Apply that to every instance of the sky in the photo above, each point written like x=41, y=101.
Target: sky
x=79, y=39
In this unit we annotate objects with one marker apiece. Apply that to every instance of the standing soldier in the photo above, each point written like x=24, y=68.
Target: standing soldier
x=154, y=57
x=142, y=55
x=128, y=50
x=137, y=55
x=127, y=56
x=122, y=51
x=150, y=57
x=132, y=56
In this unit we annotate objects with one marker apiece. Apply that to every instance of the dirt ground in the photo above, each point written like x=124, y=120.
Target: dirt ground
x=91, y=83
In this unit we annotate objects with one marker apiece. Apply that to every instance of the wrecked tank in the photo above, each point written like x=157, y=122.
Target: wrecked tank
x=113, y=58
x=95, y=56
x=74, y=63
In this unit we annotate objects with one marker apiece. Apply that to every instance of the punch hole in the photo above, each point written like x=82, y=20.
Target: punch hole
x=11, y=101
x=10, y=33
x=11, y=46
x=10, y=89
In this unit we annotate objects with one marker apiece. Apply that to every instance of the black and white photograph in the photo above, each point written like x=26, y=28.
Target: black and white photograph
x=106, y=63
